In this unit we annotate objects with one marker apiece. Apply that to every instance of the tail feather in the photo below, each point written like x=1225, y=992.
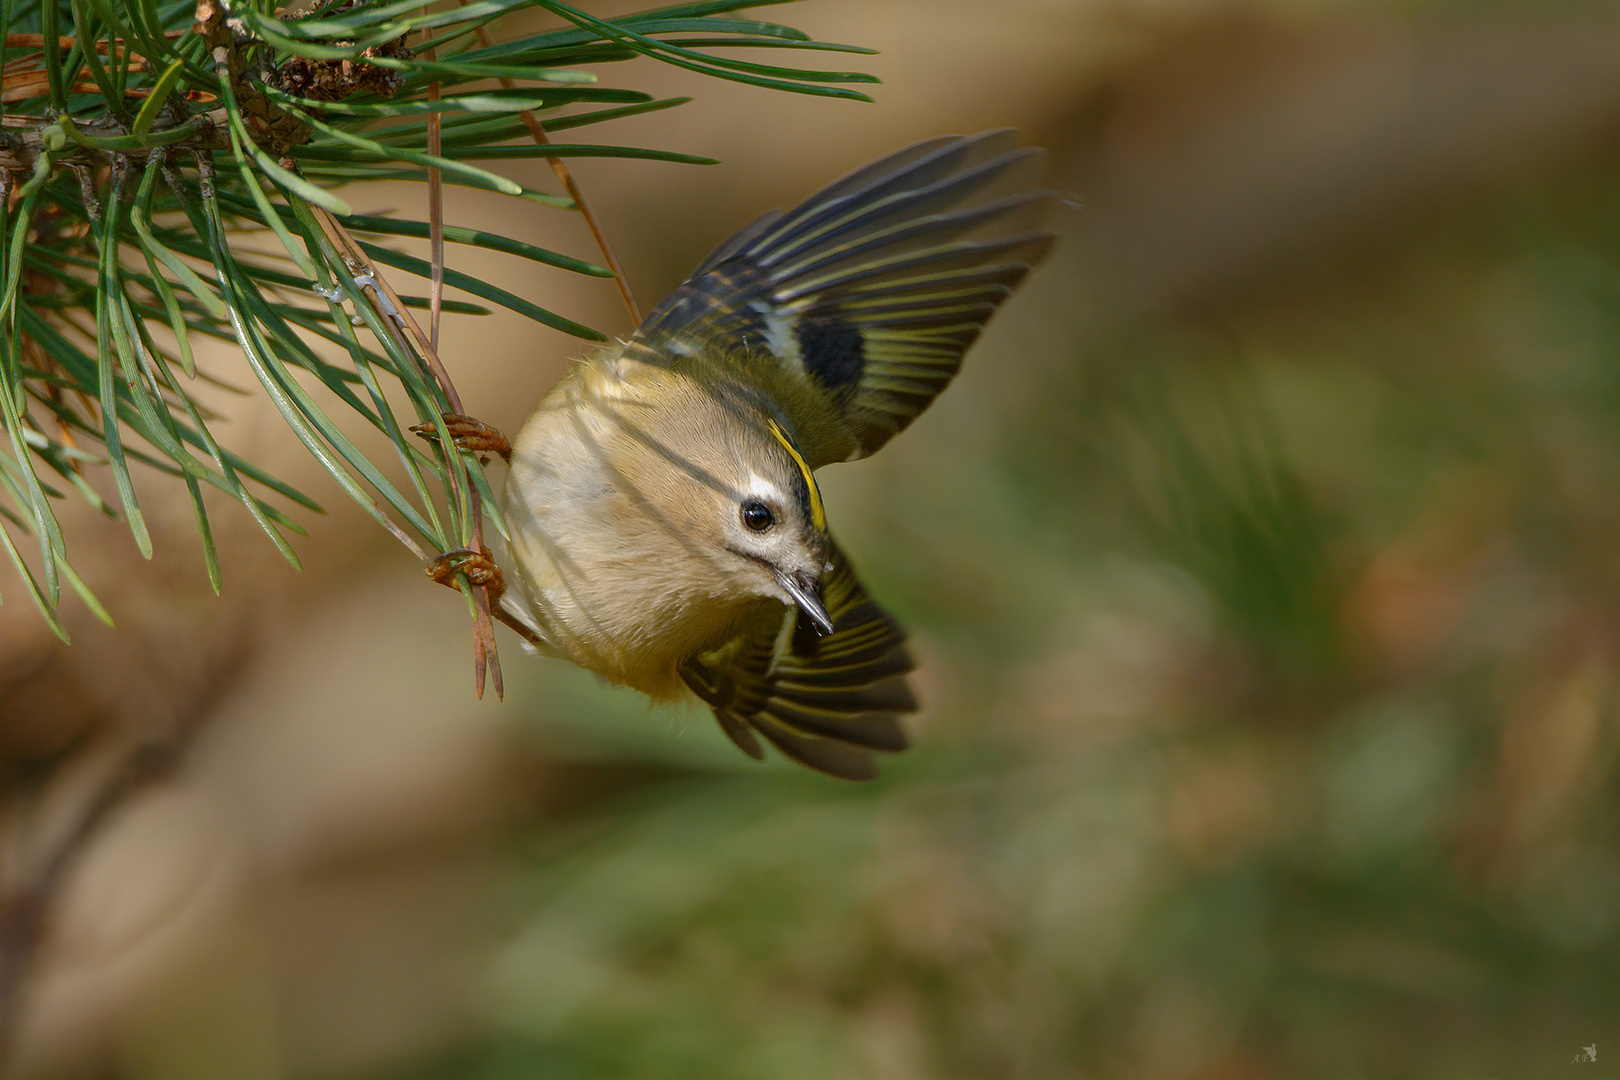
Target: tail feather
x=826, y=702
x=830, y=756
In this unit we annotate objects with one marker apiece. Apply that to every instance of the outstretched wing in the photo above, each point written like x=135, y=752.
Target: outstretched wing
x=868, y=293
x=826, y=702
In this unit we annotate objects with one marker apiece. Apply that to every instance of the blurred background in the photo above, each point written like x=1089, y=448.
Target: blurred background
x=1264, y=566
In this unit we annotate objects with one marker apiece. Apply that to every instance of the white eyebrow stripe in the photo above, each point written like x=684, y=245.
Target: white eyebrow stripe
x=761, y=488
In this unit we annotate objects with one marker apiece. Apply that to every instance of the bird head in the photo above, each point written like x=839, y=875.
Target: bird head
x=775, y=521
x=733, y=490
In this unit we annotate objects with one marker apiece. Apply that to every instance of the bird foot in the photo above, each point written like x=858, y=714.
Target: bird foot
x=479, y=566
x=469, y=434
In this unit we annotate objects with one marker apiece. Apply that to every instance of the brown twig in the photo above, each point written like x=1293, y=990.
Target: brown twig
x=538, y=133
x=435, y=144
x=521, y=628
x=391, y=309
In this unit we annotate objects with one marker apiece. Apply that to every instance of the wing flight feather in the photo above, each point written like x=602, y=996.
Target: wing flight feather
x=870, y=291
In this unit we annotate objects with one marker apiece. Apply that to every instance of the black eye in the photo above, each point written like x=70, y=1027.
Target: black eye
x=757, y=516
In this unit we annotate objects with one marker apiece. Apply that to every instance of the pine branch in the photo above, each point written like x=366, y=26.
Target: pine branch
x=141, y=140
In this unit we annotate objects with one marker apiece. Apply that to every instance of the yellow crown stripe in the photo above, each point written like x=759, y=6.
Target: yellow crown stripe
x=818, y=513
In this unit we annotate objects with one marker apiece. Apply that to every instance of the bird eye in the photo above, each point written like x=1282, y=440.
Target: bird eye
x=757, y=517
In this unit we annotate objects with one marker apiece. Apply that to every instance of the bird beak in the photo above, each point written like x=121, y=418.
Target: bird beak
x=806, y=592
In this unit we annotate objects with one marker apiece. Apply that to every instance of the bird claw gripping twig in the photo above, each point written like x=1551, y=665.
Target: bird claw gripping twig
x=469, y=434
x=479, y=566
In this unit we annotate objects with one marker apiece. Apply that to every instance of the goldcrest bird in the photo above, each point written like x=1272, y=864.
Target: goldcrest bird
x=666, y=528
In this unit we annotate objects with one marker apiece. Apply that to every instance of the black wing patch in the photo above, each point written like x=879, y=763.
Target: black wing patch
x=832, y=350
x=826, y=702
x=873, y=288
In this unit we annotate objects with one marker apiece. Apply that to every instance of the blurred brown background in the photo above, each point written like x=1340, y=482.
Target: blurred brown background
x=1263, y=562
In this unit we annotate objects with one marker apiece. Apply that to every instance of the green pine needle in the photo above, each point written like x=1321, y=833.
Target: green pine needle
x=129, y=215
